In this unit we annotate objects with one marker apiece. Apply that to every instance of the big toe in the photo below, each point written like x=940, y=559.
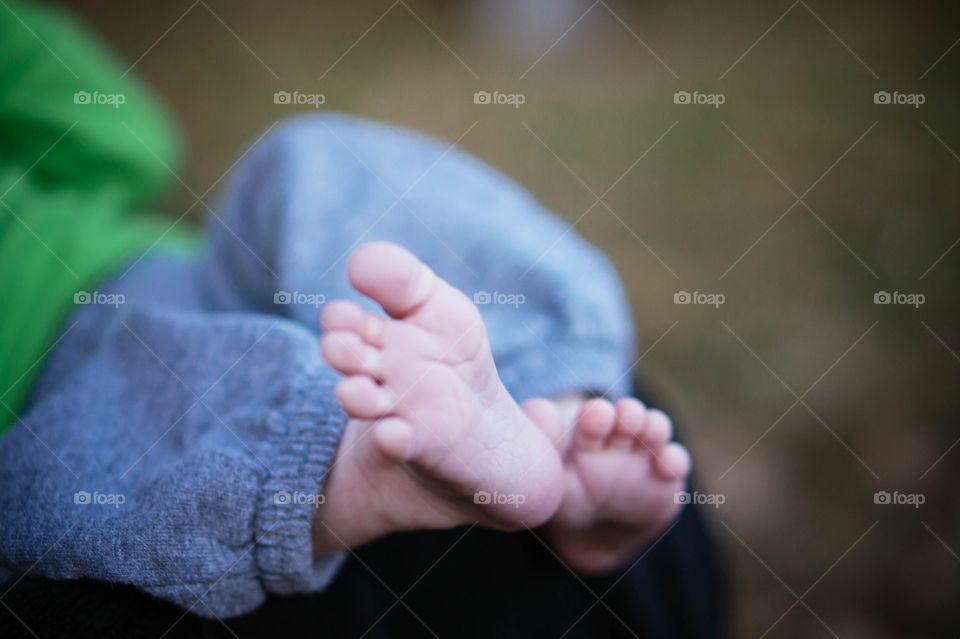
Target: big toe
x=408, y=290
x=392, y=276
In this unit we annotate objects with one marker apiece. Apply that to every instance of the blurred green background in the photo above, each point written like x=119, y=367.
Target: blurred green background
x=799, y=397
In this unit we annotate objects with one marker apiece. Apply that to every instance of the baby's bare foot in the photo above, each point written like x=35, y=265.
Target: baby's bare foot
x=435, y=436
x=621, y=476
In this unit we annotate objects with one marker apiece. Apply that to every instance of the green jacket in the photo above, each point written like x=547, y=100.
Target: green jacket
x=84, y=149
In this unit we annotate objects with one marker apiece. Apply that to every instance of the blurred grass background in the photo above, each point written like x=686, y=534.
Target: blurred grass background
x=799, y=482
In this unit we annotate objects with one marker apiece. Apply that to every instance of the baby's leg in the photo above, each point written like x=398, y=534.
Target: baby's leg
x=316, y=188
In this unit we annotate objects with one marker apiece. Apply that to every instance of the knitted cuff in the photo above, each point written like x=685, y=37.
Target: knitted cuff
x=304, y=429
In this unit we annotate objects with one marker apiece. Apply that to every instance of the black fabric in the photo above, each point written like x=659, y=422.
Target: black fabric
x=465, y=582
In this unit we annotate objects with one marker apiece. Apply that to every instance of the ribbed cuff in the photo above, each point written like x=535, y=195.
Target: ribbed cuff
x=304, y=429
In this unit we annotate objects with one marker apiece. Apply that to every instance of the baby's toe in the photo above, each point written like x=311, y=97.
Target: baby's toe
x=392, y=276
x=543, y=413
x=343, y=315
x=409, y=291
x=347, y=353
x=594, y=424
x=657, y=430
x=672, y=462
x=394, y=438
x=631, y=417
x=363, y=398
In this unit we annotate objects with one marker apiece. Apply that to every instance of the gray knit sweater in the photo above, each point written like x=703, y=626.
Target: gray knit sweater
x=184, y=423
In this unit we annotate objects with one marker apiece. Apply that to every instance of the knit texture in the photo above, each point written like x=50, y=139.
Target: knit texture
x=177, y=440
x=317, y=187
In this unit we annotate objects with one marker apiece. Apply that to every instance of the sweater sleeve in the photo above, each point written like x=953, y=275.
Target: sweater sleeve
x=185, y=456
